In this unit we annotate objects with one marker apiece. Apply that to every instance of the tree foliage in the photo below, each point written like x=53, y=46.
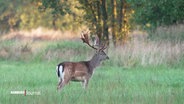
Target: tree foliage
x=158, y=12
x=28, y=14
x=9, y=17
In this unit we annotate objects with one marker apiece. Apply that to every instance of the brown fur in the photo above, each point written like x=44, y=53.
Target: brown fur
x=81, y=71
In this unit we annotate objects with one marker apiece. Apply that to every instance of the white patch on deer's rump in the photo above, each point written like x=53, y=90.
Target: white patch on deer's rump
x=61, y=72
x=57, y=70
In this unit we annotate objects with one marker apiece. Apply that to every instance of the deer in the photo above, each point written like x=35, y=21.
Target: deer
x=81, y=71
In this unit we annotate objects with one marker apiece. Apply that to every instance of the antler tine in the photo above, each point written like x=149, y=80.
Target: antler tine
x=103, y=46
x=85, y=39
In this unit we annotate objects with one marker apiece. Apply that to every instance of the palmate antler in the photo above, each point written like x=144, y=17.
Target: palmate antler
x=85, y=39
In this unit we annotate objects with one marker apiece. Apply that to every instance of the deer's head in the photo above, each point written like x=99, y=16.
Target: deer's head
x=101, y=55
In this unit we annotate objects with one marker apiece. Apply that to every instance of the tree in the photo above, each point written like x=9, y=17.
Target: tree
x=9, y=19
x=113, y=22
x=59, y=7
x=158, y=12
x=104, y=19
x=93, y=16
x=29, y=14
x=105, y=14
x=98, y=15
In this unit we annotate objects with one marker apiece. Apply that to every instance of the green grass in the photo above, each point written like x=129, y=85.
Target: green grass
x=131, y=76
x=109, y=85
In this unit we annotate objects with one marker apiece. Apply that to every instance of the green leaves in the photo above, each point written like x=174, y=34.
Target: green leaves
x=158, y=12
x=57, y=6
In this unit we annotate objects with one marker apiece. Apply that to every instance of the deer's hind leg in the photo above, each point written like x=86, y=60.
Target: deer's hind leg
x=65, y=80
x=63, y=83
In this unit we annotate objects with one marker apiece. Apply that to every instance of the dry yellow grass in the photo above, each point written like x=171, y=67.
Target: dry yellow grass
x=147, y=53
x=40, y=34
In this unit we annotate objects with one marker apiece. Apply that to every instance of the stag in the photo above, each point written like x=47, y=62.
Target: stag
x=81, y=71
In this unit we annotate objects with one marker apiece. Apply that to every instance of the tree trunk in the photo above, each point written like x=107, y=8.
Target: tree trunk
x=125, y=23
x=54, y=22
x=120, y=18
x=104, y=19
x=96, y=17
x=98, y=26
x=113, y=23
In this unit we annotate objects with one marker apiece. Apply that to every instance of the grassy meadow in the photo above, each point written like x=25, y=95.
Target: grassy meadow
x=142, y=72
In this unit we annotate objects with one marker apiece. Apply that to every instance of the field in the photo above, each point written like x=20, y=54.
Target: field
x=113, y=85
x=145, y=72
x=109, y=85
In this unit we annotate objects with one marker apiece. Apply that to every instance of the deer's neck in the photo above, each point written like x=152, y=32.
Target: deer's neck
x=94, y=62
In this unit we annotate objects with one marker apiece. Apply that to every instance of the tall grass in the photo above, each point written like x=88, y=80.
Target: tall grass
x=136, y=53
x=147, y=53
x=173, y=33
x=140, y=51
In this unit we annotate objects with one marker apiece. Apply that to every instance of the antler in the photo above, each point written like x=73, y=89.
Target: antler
x=85, y=39
x=103, y=47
